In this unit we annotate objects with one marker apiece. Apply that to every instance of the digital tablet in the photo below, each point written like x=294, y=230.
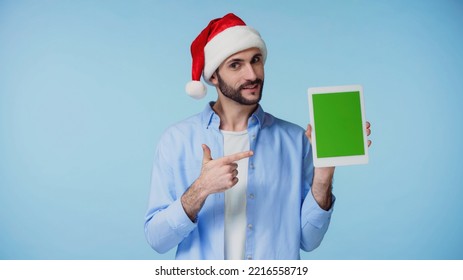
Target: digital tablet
x=337, y=116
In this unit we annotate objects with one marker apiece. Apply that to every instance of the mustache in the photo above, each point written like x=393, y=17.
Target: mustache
x=251, y=83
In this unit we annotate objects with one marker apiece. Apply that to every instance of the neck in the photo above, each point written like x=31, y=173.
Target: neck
x=233, y=116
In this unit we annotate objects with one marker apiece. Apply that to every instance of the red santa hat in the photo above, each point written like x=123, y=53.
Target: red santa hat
x=221, y=38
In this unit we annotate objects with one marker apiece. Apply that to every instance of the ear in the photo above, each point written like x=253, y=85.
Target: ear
x=214, y=79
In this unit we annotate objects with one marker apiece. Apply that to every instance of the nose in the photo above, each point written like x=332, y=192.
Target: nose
x=250, y=73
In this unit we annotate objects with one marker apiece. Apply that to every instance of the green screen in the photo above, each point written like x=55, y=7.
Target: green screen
x=338, y=124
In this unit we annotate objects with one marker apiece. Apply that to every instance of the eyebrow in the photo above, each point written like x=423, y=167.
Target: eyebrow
x=235, y=60
x=241, y=60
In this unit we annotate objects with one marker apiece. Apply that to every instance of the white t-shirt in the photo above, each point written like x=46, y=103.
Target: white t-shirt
x=235, y=198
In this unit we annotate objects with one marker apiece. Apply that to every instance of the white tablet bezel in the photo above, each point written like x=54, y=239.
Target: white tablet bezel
x=341, y=160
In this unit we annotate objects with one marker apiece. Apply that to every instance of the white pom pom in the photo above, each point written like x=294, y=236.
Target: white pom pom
x=196, y=89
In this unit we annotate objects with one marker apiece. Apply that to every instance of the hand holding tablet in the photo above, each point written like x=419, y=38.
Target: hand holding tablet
x=339, y=135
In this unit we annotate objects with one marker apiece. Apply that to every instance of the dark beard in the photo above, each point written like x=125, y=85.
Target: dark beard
x=235, y=94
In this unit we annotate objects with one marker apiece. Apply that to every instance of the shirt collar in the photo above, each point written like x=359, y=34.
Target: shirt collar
x=210, y=119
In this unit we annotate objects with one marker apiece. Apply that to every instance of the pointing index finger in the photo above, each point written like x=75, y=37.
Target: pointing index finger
x=237, y=156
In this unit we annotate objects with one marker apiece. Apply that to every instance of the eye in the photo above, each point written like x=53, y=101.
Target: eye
x=234, y=65
x=256, y=59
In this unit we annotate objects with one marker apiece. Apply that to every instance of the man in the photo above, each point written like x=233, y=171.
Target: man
x=234, y=182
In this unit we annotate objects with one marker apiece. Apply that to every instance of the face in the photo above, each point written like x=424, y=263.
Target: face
x=241, y=77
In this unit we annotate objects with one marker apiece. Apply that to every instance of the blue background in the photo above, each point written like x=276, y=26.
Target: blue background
x=87, y=87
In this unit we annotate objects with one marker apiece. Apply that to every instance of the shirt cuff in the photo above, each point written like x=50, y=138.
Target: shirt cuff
x=313, y=214
x=178, y=220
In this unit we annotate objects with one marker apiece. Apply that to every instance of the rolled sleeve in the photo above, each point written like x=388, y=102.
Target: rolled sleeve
x=313, y=214
x=314, y=222
x=178, y=220
x=168, y=227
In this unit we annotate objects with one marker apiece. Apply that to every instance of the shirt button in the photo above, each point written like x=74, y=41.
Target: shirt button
x=251, y=196
x=250, y=226
x=251, y=166
x=249, y=257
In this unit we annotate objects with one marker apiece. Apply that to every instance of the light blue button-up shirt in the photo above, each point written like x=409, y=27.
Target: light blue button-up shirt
x=282, y=215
